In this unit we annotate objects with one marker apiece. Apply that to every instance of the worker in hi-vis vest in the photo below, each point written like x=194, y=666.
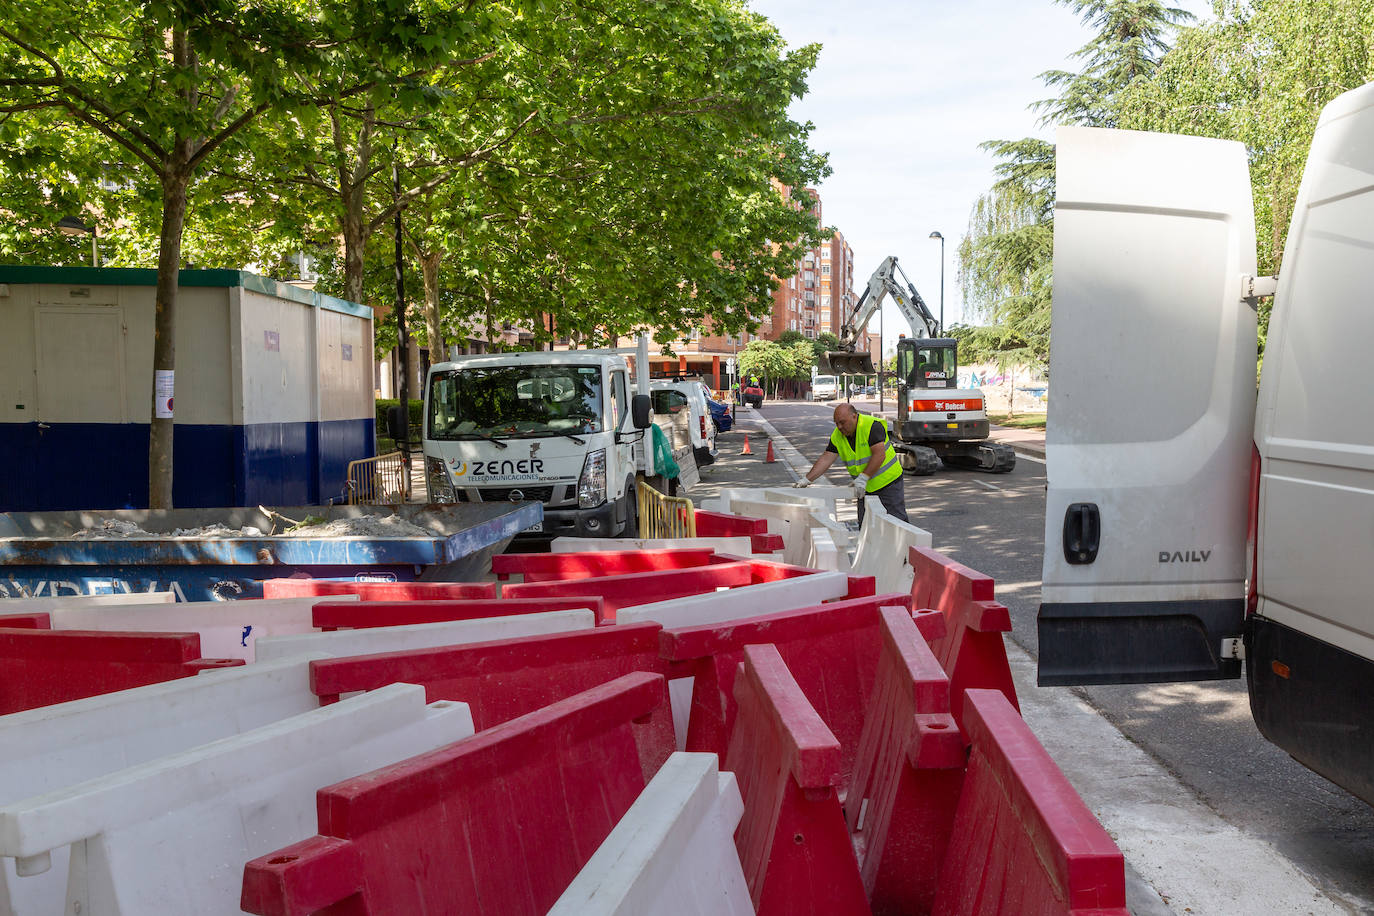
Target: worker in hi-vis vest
x=860, y=441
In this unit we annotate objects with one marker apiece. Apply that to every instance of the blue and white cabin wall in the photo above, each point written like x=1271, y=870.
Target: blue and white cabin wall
x=273, y=392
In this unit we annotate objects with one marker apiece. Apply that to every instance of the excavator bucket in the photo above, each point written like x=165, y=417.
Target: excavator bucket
x=846, y=362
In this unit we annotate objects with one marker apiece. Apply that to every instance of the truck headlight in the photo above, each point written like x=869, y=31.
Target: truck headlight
x=440, y=484
x=591, y=486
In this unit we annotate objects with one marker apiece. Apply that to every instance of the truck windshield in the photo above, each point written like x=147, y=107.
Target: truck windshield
x=515, y=401
x=824, y=380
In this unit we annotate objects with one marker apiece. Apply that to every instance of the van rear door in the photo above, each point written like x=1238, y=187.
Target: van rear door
x=1151, y=409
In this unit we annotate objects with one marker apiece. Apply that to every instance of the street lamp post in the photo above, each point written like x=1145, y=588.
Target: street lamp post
x=73, y=226
x=936, y=235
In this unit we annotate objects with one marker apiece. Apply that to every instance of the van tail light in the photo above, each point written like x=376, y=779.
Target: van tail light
x=1252, y=536
x=702, y=420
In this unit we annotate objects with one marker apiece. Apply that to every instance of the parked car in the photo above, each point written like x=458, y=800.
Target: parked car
x=694, y=400
x=824, y=388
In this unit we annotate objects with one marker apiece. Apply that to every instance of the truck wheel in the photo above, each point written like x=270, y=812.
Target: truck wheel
x=631, y=529
x=920, y=461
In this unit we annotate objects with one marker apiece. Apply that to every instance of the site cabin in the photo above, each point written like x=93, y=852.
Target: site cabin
x=1195, y=527
x=565, y=429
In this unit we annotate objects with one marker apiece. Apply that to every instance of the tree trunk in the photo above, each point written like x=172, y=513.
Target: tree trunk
x=429, y=269
x=175, y=184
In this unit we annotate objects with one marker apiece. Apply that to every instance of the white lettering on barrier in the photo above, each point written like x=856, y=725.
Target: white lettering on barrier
x=883, y=549
x=672, y=854
x=53, y=747
x=228, y=629
x=375, y=640
x=172, y=835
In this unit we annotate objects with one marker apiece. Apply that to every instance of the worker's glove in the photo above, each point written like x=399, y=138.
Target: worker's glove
x=861, y=486
x=802, y=483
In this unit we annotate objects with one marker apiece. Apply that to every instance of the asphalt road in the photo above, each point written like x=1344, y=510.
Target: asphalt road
x=1202, y=733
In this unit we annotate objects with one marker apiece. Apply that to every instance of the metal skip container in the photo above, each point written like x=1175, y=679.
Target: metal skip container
x=206, y=554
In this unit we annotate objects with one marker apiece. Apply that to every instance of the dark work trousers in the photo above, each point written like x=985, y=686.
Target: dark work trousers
x=892, y=498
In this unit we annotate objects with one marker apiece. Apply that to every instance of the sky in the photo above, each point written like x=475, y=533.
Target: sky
x=904, y=92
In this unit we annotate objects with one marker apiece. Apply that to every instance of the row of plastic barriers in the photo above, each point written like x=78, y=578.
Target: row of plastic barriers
x=671, y=730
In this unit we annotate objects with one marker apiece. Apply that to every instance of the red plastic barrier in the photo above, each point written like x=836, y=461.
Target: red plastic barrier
x=830, y=650
x=1023, y=841
x=640, y=588
x=546, y=567
x=792, y=839
x=361, y=615
x=503, y=679
x=26, y=621
x=41, y=667
x=377, y=591
x=498, y=823
x=909, y=770
x=725, y=525
x=972, y=651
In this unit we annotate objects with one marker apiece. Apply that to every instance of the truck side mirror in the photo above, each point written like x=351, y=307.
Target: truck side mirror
x=397, y=423
x=640, y=408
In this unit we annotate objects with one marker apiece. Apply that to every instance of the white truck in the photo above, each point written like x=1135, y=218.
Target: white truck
x=1196, y=528
x=565, y=429
x=824, y=388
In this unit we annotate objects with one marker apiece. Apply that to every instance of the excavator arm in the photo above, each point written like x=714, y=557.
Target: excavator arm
x=848, y=360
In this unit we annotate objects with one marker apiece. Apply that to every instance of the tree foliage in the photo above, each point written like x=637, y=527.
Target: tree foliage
x=1259, y=73
x=612, y=162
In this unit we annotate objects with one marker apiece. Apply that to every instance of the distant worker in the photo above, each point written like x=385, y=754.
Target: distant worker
x=860, y=440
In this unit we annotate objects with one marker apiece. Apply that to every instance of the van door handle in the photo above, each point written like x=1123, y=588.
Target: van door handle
x=1082, y=533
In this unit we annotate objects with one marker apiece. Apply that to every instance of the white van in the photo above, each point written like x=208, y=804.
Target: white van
x=824, y=388
x=693, y=399
x=1192, y=523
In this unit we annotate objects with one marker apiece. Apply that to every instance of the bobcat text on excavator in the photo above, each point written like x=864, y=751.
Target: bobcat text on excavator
x=937, y=422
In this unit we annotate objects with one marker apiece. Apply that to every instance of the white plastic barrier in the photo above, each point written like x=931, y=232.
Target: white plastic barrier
x=822, y=495
x=740, y=603
x=228, y=629
x=51, y=602
x=823, y=554
x=794, y=522
x=883, y=548
x=172, y=835
x=672, y=854
x=730, y=604
x=738, y=546
x=56, y=746
x=425, y=635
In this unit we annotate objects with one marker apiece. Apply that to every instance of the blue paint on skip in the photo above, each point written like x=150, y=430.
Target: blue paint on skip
x=243, y=640
x=105, y=465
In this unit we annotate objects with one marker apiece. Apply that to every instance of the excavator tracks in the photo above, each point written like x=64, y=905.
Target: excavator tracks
x=988, y=457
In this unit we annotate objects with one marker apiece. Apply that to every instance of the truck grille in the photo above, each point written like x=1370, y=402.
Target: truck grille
x=502, y=494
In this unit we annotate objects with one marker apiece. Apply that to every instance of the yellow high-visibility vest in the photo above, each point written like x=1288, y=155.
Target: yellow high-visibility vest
x=856, y=458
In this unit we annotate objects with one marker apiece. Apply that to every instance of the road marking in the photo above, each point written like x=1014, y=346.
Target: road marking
x=1030, y=458
x=984, y=483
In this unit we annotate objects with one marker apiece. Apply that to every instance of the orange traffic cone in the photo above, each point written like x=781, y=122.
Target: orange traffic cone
x=769, y=459
x=747, y=450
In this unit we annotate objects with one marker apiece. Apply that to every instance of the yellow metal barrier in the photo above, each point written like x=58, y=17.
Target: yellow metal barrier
x=665, y=516
x=382, y=480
